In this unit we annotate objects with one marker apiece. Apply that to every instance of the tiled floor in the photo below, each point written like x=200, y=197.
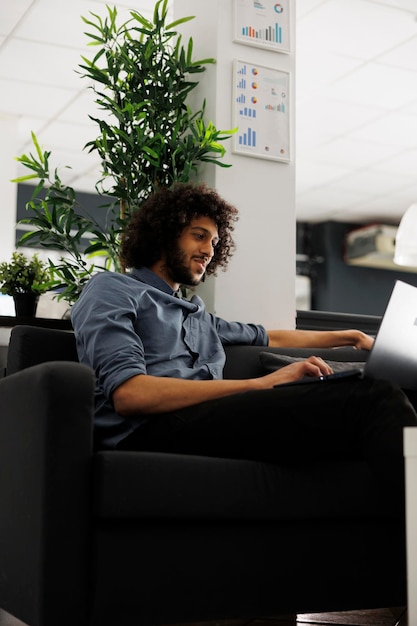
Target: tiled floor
x=381, y=617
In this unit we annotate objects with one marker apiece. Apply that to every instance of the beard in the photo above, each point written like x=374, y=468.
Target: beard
x=177, y=269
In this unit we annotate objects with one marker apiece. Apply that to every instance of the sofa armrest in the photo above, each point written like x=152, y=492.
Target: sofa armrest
x=30, y=345
x=45, y=489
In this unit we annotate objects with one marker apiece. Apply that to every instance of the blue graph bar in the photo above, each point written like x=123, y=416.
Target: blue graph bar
x=248, y=139
x=247, y=112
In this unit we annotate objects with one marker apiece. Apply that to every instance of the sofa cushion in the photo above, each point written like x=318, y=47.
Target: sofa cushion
x=243, y=361
x=151, y=485
x=271, y=362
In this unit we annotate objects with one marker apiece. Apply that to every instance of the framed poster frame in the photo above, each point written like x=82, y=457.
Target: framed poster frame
x=263, y=23
x=261, y=111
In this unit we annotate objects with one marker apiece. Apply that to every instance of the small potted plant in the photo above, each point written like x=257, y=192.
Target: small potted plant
x=24, y=279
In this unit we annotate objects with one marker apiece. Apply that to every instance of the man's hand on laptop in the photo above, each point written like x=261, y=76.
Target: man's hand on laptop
x=314, y=366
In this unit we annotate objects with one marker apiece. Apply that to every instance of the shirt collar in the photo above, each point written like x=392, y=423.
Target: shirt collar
x=149, y=277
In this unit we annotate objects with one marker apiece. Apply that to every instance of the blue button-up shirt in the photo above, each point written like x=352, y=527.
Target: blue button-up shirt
x=130, y=324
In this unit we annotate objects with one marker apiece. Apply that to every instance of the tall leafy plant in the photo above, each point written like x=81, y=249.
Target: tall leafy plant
x=142, y=77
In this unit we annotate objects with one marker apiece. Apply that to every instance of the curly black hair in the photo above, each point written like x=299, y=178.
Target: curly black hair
x=158, y=223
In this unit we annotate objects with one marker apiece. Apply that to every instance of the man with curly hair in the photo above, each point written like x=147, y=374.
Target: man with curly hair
x=159, y=358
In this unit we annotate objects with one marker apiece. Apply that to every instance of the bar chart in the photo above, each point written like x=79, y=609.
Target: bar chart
x=263, y=23
x=247, y=112
x=271, y=33
x=261, y=111
x=248, y=138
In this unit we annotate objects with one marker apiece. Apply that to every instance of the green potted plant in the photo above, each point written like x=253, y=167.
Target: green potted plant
x=24, y=279
x=149, y=136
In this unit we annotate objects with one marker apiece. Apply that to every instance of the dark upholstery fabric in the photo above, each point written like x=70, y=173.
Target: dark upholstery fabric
x=131, y=485
x=45, y=451
x=170, y=571
x=271, y=362
x=243, y=362
x=141, y=539
x=3, y=360
x=30, y=345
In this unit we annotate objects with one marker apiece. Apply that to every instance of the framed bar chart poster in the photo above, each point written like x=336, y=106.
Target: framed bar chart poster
x=263, y=23
x=261, y=111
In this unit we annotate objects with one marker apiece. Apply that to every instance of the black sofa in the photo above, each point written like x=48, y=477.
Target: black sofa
x=132, y=539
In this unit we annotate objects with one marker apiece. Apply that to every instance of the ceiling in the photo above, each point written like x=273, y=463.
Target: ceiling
x=356, y=98
x=356, y=120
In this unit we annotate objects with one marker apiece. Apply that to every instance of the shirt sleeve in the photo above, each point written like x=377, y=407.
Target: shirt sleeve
x=103, y=322
x=239, y=333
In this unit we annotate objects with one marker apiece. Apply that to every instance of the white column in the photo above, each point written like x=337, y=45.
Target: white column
x=8, y=190
x=259, y=285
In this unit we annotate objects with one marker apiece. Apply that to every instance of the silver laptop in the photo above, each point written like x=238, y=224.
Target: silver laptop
x=393, y=356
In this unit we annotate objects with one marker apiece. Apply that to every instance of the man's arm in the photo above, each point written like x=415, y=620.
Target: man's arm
x=145, y=394
x=319, y=339
x=152, y=394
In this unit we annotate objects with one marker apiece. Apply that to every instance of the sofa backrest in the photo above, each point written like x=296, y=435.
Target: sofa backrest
x=32, y=345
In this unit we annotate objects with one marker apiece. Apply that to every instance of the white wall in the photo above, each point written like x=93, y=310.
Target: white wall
x=8, y=190
x=259, y=285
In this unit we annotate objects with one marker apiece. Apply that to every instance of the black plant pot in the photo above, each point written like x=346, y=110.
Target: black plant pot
x=25, y=304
